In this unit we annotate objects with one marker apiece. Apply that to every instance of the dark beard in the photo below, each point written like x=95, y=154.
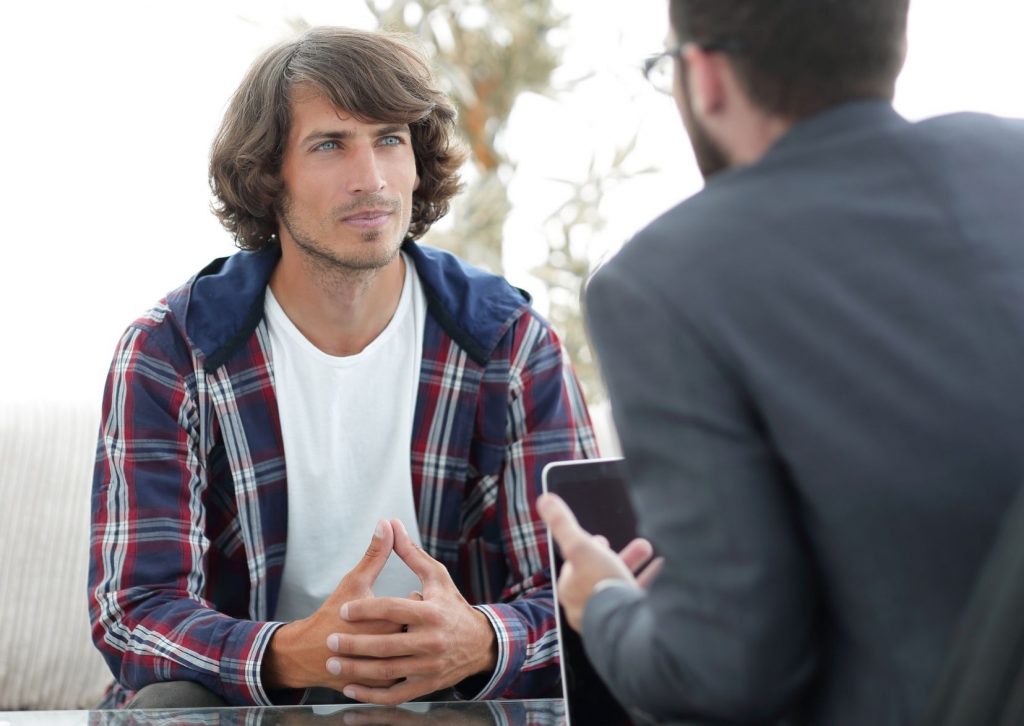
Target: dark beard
x=710, y=157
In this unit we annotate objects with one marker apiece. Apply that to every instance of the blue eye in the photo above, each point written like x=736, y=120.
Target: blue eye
x=326, y=146
x=391, y=140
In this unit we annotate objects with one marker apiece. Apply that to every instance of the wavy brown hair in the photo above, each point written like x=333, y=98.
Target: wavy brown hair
x=376, y=77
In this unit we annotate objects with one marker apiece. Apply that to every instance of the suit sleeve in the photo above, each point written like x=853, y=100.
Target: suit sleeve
x=547, y=421
x=149, y=547
x=726, y=631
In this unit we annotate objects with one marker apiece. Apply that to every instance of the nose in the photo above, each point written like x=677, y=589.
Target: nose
x=365, y=176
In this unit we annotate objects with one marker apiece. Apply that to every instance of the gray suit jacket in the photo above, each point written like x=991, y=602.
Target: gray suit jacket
x=817, y=370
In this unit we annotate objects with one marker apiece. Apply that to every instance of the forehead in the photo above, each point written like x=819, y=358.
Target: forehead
x=314, y=108
x=311, y=111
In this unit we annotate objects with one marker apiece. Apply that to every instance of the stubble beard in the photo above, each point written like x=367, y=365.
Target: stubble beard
x=711, y=158
x=327, y=263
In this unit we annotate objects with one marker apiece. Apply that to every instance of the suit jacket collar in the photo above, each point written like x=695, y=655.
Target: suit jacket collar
x=846, y=118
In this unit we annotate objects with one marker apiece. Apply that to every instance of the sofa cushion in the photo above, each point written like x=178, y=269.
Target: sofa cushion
x=47, y=660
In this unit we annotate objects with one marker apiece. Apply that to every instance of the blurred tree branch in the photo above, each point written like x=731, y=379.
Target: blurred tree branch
x=486, y=55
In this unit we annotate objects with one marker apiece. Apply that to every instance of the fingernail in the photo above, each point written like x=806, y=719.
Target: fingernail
x=334, y=643
x=379, y=532
x=349, y=691
x=334, y=666
x=542, y=503
x=344, y=611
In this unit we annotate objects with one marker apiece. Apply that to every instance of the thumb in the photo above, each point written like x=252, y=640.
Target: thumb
x=565, y=530
x=376, y=556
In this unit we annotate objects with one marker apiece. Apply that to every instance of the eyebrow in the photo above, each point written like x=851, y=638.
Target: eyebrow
x=393, y=129
x=342, y=135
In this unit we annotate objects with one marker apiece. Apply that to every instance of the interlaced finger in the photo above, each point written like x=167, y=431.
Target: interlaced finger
x=394, y=609
x=376, y=646
x=399, y=693
x=362, y=670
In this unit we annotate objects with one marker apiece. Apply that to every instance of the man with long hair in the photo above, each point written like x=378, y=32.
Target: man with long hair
x=815, y=366
x=332, y=379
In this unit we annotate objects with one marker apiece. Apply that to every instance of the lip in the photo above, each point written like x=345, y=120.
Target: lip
x=368, y=218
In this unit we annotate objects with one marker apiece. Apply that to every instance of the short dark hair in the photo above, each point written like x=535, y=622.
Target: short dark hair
x=796, y=57
x=374, y=76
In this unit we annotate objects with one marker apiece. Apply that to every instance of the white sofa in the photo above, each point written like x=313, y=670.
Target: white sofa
x=47, y=660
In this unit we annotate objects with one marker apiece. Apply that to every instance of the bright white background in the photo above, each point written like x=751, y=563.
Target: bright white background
x=109, y=109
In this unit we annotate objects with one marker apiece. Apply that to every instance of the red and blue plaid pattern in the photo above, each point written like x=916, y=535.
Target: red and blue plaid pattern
x=190, y=497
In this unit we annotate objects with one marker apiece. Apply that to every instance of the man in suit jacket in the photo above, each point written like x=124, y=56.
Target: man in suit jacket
x=816, y=365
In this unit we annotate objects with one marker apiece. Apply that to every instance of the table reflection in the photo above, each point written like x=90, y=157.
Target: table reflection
x=548, y=712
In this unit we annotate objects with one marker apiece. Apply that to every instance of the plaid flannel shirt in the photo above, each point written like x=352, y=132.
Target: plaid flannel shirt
x=189, y=504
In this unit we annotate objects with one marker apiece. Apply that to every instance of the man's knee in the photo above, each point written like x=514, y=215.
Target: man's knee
x=176, y=694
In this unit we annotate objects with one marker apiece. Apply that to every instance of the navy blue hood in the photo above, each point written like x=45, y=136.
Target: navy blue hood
x=223, y=303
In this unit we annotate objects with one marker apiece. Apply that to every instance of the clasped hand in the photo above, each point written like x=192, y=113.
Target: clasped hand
x=385, y=650
x=442, y=639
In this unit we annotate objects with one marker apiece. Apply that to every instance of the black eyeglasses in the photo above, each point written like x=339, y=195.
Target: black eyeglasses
x=658, y=69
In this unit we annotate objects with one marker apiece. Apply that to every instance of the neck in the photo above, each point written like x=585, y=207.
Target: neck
x=755, y=134
x=339, y=310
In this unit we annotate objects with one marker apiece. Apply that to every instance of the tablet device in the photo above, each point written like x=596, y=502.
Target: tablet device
x=595, y=490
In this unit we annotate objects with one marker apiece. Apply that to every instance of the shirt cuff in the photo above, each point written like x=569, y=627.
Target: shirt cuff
x=508, y=633
x=262, y=697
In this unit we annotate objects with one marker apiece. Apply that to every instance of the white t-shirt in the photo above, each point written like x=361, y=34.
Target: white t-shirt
x=347, y=428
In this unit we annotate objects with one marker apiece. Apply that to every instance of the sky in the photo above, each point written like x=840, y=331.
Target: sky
x=111, y=107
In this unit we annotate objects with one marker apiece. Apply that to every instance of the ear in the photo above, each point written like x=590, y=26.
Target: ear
x=705, y=79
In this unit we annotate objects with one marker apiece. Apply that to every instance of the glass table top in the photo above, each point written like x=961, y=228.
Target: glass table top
x=542, y=712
